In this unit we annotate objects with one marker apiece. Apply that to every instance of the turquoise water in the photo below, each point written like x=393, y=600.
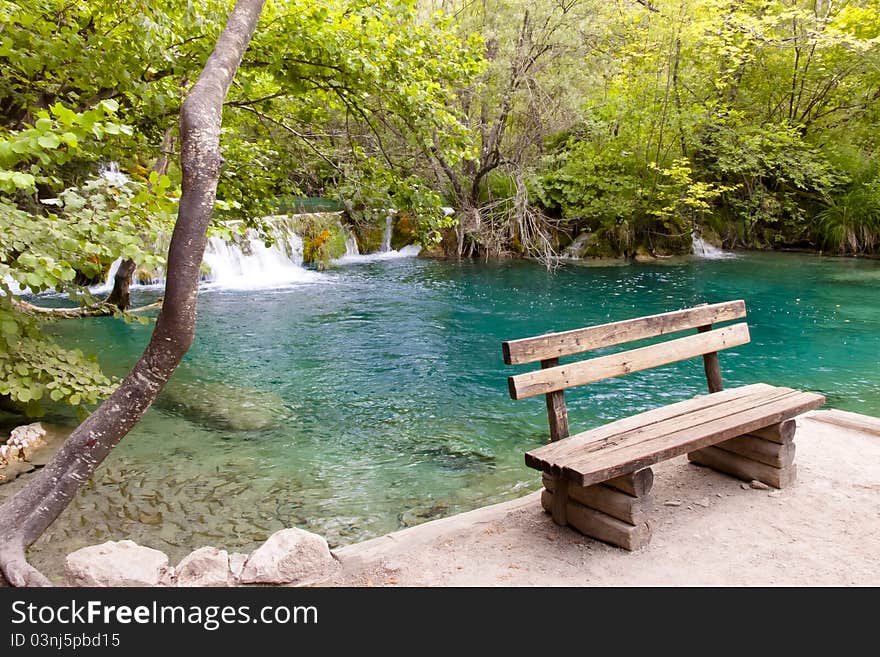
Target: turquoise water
x=378, y=399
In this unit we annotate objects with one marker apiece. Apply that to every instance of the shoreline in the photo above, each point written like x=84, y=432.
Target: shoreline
x=825, y=530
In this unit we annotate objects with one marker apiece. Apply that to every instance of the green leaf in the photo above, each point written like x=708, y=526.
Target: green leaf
x=49, y=140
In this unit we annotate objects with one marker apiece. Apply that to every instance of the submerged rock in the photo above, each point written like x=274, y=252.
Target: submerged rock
x=222, y=406
x=116, y=563
x=459, y=456
x=289, y=556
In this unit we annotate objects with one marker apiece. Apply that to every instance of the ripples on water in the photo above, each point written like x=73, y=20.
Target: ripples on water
x=378, y=396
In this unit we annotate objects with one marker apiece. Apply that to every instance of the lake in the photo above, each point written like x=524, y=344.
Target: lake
x=373, y=396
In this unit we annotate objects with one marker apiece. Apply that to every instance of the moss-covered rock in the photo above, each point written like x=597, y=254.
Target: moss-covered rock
x=368, y=238
x=403, y=233
x=323, y=237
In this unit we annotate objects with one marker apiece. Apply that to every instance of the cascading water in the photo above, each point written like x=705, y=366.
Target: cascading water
x=351, y=244
x=702, y=249
x=574, y=249
x=353, y=255
x=107, y=285
x=250, y=265
x=386, y=234
x=111, y=173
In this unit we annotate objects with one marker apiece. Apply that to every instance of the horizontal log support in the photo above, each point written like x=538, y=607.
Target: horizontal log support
x=757, y=449
x=615, y=503
x=637, y=484
x=601, y=526
x=782, y=432
x=744, y=468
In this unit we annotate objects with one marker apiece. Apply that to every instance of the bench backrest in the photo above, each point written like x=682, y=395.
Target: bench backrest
x=554, y=378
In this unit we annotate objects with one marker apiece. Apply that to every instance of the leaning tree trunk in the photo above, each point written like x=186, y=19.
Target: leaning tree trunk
x=25, y=516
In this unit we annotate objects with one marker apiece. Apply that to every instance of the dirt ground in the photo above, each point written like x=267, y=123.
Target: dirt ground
x=708, y=529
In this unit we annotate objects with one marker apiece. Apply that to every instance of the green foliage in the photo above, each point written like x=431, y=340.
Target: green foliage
x=34, y=370
x=369, y=192
x=752, y=101
x=64, y=241
x=850, y=222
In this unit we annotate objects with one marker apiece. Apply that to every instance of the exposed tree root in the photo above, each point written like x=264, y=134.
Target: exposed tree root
x=16, y=571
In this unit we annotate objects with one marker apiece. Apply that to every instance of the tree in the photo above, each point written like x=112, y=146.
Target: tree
x=530, y=90
x=26, y=515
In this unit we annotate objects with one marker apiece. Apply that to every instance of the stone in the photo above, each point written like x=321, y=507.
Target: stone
x=28, y=439
x=236, y=564
x=758, y=485
x=744, y=486
x=115, y=563
x=672, y=503
x=289, y=556
x=223, y=406
x=206, y=566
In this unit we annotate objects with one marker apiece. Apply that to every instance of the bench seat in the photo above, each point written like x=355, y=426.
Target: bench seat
x=639, y=441
x=599, y=481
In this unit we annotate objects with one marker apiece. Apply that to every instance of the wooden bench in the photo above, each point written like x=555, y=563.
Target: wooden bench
x=599, y=481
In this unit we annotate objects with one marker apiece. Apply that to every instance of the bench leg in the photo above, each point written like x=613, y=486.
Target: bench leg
x=559, y=506
x=766, y=455
x=603, y=512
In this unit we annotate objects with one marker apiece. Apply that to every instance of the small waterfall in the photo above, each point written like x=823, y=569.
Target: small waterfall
x=251, y=265
x=386, y=235
x=351, y=244
x=111, y=173
x=573, y=250
x=353, y=255
x=702, y=249
x=13, y=286
x=107, y=285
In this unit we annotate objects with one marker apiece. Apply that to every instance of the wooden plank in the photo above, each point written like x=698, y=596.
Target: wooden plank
x=743, y=468
x=601, y=526
x=555, y=345
x=637, y=484
x=550, y=456
x=711, y=366
x=682, y=423
x=557, y=414
x=605, y=499
x=778, y=433
x=605, y=367
x=778, y=455
x=618, y=459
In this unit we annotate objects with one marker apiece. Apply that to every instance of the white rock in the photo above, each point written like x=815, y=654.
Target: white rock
x=289, y=556
x=236, y=564
x=206, y=566
x=115, y=563
x=758, y=485
x=28, y=438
